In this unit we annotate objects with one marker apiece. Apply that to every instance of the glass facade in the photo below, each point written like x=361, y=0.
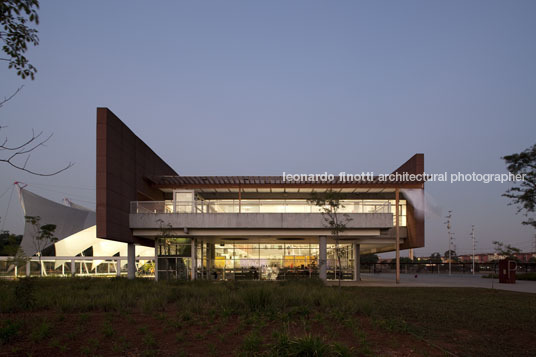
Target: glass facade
x=174, y=256
x=185, y=203
x=257, y=261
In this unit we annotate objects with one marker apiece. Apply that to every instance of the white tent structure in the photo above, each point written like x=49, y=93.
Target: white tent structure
x=75, y=229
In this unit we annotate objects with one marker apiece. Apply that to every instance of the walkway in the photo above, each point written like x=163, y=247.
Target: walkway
x=441, y=280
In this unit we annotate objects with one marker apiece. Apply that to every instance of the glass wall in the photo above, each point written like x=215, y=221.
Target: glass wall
x=174, y=258
x=185, y=203
x=241, y=261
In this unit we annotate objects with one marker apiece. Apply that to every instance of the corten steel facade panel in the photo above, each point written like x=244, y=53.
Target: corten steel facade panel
x=123, y=160
x=415, y=220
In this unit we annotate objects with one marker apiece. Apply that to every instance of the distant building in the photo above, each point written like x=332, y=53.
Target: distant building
x=488, y=257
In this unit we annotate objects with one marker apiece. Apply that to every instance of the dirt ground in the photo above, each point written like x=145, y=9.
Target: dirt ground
x=175, y=334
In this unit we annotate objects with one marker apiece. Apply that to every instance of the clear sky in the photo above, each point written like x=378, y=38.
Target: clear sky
x=262, y=87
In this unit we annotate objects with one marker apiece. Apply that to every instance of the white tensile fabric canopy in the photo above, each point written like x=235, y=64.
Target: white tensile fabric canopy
x=75, y=229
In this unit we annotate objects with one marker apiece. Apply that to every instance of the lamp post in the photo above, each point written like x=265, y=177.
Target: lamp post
x=451, y=239
x=474, y=245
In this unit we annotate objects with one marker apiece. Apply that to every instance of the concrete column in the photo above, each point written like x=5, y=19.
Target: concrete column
x=131, y=263
x=210, y=249
x=28, y=268
x=322, y=257
x=357, y=262
x=118, y=267
x=73, y=267
x=202, y=262
x=194, y=260
x=156, y=259
x=397, y=227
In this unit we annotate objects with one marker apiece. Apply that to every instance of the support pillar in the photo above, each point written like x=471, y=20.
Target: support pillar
x=397, y=222
x=73, y=267
x=357, y=262
x=118, y=267
x=210, y=254
x=194, y=260
x=322, y=257
x=131, y=263
x=202, y=262
x=28, y=272
x=156, y=259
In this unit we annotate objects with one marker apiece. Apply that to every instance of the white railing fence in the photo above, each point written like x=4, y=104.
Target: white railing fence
x=12, y=267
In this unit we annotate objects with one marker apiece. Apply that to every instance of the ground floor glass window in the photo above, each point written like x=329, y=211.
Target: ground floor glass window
x=249, y=261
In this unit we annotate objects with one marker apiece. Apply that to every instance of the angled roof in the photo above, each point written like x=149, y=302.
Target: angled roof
x=415, y=165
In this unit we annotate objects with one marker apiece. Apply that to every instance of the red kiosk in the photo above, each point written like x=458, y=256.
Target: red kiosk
x=507, y=271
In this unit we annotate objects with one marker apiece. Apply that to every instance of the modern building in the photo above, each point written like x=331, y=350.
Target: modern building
x=245, y=227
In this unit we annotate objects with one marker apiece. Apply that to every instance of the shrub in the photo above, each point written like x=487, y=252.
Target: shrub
x=24, y=293
x=9, y=331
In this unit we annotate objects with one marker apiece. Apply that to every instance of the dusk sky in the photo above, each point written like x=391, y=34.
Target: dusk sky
x=263, y=87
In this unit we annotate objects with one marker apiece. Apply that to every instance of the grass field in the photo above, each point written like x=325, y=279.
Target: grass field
x=117, y=317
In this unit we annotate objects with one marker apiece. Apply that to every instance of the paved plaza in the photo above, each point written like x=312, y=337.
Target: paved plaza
x=439, y=280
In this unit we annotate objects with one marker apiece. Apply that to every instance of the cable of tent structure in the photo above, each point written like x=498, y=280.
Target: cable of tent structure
x=74, y=187
x=7, y=208
x=9, y=188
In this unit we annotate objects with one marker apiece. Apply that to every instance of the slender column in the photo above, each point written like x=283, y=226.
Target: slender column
x=156, y=259
x=118, y=267
x=210, y=250
x=411, y=255
x=322, y=259
x=28, y=268
x=239, y=199
x=193, y=272
x=202, y=262
x=131, y=264
x=397, y=219
x=357, y=262
x=73, y=267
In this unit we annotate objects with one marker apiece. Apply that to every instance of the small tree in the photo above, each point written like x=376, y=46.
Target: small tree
x=524, y=193
x=43, y=236
x=330, y=205
x=403, y=260
x=9, y=243
x=19, y=259
x=506, y=250
x=435, y=257
x=453, y=255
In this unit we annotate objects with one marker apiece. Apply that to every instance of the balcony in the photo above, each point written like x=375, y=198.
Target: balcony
x=357, y=209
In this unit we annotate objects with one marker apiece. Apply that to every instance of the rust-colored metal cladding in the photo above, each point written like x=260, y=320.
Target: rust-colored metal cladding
x=415, y=219
x=123, y=162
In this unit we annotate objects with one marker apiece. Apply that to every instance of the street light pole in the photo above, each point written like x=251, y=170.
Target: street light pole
x=449, y=217
x=474, y=242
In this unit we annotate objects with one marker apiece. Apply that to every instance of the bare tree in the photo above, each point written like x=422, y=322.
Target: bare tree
x=18, y=155
x=16, y=33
